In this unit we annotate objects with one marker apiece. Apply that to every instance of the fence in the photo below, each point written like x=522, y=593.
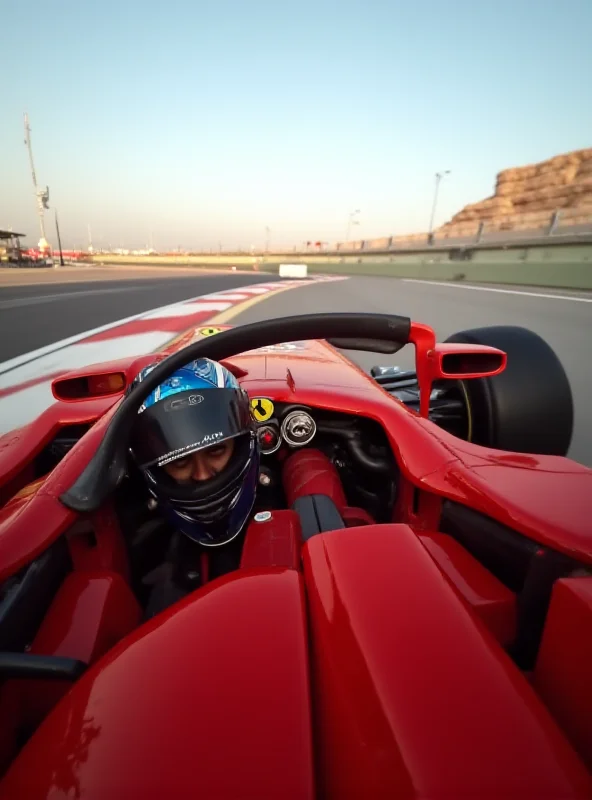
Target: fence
x=533, y=226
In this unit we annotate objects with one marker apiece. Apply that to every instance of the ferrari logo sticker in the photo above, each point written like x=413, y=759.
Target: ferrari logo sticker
x=209, y=331
x=261, y=408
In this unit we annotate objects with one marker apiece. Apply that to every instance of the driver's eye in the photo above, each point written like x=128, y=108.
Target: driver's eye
x=218, y=450
x=180, y=463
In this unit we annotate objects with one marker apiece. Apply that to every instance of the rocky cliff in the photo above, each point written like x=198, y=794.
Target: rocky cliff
x=526, y=197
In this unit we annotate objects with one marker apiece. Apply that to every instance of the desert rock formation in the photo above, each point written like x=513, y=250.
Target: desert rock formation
x=526, y=197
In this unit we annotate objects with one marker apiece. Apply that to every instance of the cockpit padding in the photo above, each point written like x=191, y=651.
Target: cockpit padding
x=318, y=514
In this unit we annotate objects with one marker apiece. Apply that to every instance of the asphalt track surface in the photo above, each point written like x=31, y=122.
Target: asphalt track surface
x=34, y=316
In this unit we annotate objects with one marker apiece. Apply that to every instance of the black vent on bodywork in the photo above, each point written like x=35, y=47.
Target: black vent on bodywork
x=503, y=551
x=447, y=403
x=522, y=564
x=60, y=445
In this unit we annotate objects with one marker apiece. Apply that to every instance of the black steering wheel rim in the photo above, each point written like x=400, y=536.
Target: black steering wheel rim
x=108, y=465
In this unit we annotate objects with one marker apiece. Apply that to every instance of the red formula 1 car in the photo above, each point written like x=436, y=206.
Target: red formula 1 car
x=412, y=620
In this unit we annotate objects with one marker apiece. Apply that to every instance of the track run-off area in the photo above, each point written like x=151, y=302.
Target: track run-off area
x=56, y=319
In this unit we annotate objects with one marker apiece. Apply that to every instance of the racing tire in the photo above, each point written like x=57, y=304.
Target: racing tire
x=528, y=408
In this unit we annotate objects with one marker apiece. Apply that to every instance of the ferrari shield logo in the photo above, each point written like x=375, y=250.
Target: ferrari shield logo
x=209, y=331
x=261, y=408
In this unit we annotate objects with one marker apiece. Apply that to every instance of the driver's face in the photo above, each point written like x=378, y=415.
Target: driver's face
x=203, y=465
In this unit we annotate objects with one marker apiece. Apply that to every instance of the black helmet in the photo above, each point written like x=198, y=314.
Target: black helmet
x=201, y=405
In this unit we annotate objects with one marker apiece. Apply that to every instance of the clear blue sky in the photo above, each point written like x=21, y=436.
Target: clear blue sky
x=208, y=121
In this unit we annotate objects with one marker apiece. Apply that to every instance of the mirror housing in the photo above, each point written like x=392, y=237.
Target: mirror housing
x=449, y=360
x=465, y=361
x=91, y=386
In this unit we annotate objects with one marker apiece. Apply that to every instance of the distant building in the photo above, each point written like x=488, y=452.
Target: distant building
x=10, y=247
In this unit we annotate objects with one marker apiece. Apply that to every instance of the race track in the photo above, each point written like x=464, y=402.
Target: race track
x=34, y=316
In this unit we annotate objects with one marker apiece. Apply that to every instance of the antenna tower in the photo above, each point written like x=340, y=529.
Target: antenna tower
x=42, y=195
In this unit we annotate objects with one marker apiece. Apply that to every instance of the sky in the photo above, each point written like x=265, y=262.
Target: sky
x=200, y=124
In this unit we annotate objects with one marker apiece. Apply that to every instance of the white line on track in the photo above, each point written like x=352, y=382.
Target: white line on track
x=501, y=291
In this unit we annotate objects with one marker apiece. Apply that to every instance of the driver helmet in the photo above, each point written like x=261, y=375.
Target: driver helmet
x=195, y=443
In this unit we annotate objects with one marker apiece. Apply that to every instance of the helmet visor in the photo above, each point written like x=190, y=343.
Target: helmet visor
x=188, y=421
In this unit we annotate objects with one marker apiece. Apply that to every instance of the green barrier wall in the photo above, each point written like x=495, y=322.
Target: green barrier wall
x=567, y=276
x=561, y=266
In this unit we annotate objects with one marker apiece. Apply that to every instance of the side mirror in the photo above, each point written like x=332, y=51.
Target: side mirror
x=88, y=387
x=465, y=361
x=450, y=360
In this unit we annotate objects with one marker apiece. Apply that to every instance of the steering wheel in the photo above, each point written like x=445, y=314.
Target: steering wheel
x=383, y=333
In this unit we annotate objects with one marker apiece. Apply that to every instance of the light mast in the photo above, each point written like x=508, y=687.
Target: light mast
x=42, y=195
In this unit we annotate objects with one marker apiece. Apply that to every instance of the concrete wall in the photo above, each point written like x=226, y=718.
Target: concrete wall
x=568, y=276
x=567, y=266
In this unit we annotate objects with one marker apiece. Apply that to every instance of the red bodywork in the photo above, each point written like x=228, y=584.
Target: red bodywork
x=370, y=661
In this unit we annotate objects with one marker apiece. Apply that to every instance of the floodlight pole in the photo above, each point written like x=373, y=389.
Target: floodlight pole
x=59, y=240
x=439, y=176
x=39, y=194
